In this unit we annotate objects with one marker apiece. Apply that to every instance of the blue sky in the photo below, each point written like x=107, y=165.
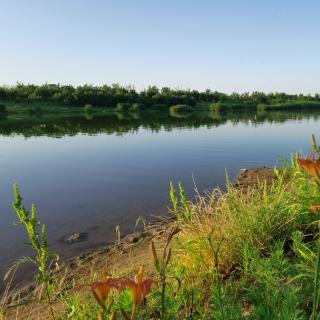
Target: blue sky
x=223, y=45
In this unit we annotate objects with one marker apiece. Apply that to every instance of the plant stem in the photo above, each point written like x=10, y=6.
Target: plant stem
x=134, y=311
x=163, y=289
x=316, y=286
x=50, y=302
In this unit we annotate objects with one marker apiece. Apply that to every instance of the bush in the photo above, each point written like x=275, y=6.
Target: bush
x=262, y=107
x=123, y=106
x=216, y=107
x=137, y=107
x=219, y=106
x=181, y=108
x=88, y=108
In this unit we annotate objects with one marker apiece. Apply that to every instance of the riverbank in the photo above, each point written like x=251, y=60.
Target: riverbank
x=257, y=227
x=119, y=259
x=42, y=108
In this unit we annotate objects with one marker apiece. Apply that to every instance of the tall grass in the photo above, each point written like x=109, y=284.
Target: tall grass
x=257, y=217
x=260, y=220
x=291, y=105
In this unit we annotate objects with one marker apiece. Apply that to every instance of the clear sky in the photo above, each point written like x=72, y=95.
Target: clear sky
x=225, y=45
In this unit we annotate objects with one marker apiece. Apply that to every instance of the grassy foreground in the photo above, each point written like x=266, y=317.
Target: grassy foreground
x=250, y=253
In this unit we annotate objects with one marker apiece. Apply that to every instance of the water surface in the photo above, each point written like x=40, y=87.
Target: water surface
x=92, y=173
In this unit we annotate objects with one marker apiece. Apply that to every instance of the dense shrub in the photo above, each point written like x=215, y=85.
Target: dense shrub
x=261, y=107
x=181, y=108
x=215, y=107
x=137, y=107
x=88, y=108
x=123, y=106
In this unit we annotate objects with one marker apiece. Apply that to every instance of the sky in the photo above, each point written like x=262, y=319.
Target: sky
x=225, y=45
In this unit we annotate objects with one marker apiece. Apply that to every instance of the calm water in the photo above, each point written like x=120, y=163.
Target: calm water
x=90, y=174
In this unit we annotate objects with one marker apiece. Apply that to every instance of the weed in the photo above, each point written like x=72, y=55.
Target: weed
x=39, y=243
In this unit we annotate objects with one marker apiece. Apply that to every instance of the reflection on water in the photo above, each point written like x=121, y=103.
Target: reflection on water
x=121, y=123
x=106, y=170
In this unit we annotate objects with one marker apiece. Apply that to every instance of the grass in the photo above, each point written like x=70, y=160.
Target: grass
x=228, y=106
x=290, y=105
x=49, y=108
x=236, y=224
x=42, y=108
x=247, y=253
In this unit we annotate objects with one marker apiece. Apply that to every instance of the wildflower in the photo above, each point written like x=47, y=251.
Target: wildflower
x=310, y=165
x=100, y=290
x=315, y=207
x=139, y=288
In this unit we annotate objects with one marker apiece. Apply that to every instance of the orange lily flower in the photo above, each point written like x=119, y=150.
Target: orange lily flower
x=100, y=290
x=139, y=288
x=315, y=207
x=310, y=165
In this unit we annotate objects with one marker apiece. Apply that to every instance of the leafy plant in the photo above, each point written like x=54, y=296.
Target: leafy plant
x=43, y=259
x=182, y=211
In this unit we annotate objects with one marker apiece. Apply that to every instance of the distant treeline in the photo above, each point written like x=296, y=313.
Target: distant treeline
x=112, y=96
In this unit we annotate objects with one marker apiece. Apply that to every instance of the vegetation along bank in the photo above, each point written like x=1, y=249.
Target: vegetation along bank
x=56, y=97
